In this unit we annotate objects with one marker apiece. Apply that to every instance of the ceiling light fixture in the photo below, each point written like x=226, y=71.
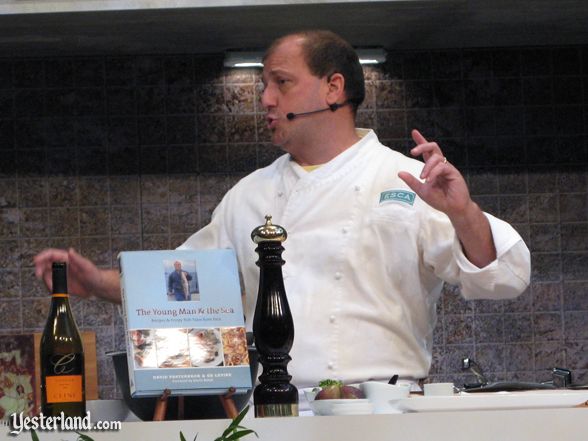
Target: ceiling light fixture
x=375, y=55
x=243, y=59
x=253, y=58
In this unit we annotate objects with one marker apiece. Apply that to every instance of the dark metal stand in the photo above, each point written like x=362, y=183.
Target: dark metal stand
x=229, y=404
x=161, y=406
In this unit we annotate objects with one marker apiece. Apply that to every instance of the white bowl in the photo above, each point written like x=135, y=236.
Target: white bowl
x=353, y=408
x=310, y=394
x=326, y=407
x=439, y=389
x=383, y=396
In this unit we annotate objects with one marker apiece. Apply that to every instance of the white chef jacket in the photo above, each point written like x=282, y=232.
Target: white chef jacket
x=365, y=261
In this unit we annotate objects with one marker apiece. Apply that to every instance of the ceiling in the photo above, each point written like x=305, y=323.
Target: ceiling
x=415, y=24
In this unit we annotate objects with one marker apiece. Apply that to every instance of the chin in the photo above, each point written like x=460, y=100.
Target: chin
x=278, y=141
x=281, y=145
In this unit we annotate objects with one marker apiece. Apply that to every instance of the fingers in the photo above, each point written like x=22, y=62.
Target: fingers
x=417, y=137
x=427, y=150
x=50, y=255
x=414, y=184
x=424, y=147
x=77, y=261
x=43, y=264
x=435, y=162
x=45, y=258
x=84, y=271
x=439, y=170
x=48, y=280
x=435, y=168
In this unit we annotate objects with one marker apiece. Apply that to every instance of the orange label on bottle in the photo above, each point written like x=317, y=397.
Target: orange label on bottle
x=64, y=388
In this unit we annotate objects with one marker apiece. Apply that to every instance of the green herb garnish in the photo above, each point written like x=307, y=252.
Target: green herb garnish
x=327, y=383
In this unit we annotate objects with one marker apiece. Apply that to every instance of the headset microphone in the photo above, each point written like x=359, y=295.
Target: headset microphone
x=290, y=116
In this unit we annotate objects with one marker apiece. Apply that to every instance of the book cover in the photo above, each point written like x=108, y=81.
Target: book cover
x=184, y=322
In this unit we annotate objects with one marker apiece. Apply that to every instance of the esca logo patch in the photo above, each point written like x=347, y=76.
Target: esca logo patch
x=403, y=196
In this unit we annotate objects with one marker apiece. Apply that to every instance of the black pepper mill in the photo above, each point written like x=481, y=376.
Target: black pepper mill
x=273, y=327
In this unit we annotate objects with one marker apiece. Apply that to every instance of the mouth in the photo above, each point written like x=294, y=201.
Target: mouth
x=271, y=121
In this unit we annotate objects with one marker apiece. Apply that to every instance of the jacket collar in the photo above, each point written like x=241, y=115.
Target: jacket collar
x=345, y=159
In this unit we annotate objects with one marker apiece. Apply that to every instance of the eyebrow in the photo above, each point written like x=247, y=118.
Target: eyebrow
x=279, y=71
x=273, y=73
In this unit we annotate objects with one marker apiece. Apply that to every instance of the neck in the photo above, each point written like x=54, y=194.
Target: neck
x=327, y=143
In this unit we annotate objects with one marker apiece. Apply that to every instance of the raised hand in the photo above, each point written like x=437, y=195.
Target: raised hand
x=444, y=187
x=84, y=278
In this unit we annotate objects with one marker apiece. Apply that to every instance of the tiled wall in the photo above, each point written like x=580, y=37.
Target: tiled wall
x=119, y=153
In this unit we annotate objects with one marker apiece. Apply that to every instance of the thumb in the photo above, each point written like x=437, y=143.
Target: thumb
x=414, y=184
x=74, y=257
x=79, y=263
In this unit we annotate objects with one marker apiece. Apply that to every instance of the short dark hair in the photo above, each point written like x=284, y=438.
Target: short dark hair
x=327, y=53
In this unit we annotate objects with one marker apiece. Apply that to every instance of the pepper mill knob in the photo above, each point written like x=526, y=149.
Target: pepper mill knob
x=269, y=232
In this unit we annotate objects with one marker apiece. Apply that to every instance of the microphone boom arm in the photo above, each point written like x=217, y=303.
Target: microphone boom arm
x=290, y=116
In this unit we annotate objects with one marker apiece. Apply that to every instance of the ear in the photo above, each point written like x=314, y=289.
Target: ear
x=336, y=88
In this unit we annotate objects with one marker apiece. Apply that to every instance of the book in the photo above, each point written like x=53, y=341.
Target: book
x=184, y=322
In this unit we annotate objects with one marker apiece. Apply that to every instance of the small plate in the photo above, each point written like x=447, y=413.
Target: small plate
x=494, y=401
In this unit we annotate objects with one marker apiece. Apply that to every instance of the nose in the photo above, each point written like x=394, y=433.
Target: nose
x=268, y=97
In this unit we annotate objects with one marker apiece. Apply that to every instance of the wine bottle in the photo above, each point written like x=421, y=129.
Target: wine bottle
x=62, y=355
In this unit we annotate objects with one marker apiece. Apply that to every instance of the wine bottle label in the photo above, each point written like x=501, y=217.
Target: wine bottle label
x=64, y=388
x=64, y=378
x=59, y=295
x=65, y=364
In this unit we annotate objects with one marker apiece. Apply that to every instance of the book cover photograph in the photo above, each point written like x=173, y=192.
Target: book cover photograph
x=184, y=322
x=17, y=375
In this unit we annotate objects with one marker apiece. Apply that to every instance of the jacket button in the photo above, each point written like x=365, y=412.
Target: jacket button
x=338, y=276
x=332, y=319
x=330, y=365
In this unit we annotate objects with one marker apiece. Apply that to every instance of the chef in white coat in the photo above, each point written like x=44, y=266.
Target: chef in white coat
x=373, y=234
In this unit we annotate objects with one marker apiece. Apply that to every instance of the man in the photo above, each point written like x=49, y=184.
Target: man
x=372, y=234
x=177, y=283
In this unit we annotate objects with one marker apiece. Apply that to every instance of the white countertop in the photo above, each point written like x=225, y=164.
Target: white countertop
x=519, y=425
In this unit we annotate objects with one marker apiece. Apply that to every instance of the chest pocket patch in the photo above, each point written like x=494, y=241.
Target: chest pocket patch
x=398, y=196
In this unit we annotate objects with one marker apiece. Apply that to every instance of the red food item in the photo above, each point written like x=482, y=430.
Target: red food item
x=351, y=392
x=333, y=390
x=329, y=393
